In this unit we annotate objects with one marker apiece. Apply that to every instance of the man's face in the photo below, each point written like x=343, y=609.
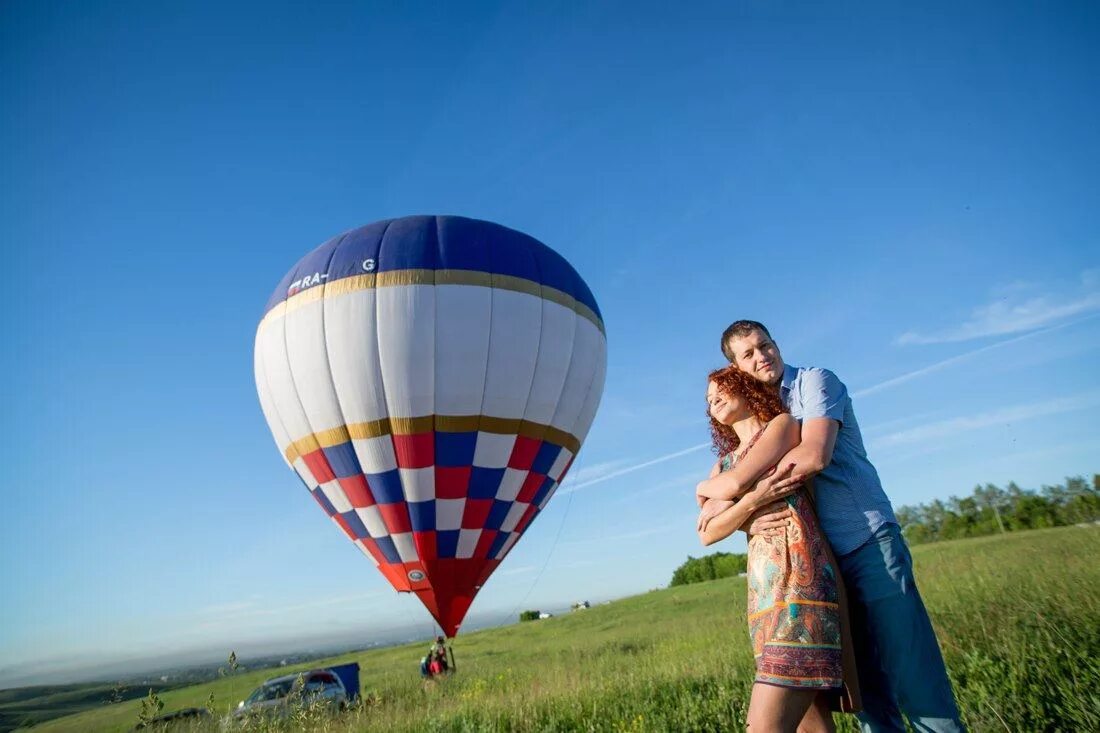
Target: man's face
x=758, y=356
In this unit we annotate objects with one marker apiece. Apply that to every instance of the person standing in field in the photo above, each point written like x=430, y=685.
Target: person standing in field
x=901, y=669
x=796, y=613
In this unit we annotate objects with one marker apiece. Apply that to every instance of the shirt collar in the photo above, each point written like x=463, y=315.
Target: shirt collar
x=789, y=373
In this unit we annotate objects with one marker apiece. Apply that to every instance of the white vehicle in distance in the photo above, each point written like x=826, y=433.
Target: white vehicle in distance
x=277, y=696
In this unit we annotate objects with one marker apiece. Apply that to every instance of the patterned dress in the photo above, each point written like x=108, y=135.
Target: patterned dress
x=794, y=604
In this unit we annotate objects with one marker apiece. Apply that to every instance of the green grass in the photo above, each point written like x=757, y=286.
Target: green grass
x=1018, y=618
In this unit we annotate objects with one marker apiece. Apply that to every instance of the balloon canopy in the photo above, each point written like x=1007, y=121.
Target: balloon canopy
x=431, y=380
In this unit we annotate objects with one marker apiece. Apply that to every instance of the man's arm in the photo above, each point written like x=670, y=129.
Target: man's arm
x=824, y=399
x=815, y=452
x=779, y=437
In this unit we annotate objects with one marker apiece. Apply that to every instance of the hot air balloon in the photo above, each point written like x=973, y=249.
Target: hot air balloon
x=431, y=380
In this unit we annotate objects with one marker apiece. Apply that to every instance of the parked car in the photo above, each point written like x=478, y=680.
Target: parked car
x=277, y=696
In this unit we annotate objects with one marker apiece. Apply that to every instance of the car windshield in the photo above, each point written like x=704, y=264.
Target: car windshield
x=271, y=691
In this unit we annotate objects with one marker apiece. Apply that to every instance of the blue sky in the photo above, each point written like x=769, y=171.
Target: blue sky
x=906, y=195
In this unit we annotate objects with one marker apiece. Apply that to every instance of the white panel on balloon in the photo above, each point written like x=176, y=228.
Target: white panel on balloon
x=467, y=542
x=375, y=454
x=305, y=339
x=406, y=547
x=513, y=352
x=510, y=484
x=372, y=520
x=351, y=329
x=582, y=370
x=303, y=470
x=284, y=393
x=406, y=348
x=448, y=513
x=461, y=347
x=493, y=449
x=336, y=496
x=555, y=353
x=592, y=400
x=278, y=431
x=418, y=483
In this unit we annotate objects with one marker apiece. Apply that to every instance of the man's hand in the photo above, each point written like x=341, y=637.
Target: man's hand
x=776, y=486
x=711, y=508
x=771, y=524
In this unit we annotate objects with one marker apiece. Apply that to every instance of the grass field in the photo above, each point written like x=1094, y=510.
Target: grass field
x=1018, y=617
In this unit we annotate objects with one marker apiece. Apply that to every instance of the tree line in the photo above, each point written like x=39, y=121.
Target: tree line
x=991, y=509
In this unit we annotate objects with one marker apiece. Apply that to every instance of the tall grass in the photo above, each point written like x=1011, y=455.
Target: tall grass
x=1018, y=618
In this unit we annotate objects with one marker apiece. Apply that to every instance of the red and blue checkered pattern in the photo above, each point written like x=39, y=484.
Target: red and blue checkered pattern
x=465, y=513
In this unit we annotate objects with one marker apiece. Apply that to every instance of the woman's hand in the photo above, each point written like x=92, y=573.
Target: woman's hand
x=711, y=508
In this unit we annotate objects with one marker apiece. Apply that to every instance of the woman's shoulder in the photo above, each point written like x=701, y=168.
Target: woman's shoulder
x=783, y=420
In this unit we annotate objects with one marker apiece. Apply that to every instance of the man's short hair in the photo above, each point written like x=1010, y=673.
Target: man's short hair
x=738, y=329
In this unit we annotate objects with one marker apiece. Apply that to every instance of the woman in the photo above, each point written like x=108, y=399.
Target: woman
x=794, y=596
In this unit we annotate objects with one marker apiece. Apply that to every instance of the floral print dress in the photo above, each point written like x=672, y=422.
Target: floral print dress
x=794, y=603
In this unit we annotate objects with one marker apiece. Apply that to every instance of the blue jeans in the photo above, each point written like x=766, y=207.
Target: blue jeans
x=898, y=659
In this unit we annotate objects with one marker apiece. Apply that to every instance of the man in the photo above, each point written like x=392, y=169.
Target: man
x=900, y=666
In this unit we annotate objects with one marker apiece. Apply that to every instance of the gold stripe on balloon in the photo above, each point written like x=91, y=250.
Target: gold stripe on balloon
x=426, y=424
x=395, y=278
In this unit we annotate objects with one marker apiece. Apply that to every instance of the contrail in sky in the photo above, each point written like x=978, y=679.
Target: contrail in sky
x=961, y=357
x=632, y=469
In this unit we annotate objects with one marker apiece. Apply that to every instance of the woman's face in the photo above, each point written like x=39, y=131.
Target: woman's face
x=724, y=407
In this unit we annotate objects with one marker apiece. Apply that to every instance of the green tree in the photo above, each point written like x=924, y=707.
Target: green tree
x=709, y=567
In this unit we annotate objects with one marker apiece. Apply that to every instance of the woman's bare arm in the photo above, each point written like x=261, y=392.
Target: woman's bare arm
x=780, y=436
x=714, y=471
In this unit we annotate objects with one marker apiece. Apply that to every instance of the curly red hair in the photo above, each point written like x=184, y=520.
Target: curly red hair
x=763, y=401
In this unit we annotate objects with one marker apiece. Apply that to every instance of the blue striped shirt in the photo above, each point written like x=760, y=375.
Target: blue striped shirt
x=851, y=504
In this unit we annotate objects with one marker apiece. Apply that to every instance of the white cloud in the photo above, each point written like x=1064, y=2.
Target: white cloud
x=1014, y=312
x=939, y=430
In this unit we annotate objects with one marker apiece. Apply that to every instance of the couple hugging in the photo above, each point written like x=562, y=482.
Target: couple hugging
x=834, y=614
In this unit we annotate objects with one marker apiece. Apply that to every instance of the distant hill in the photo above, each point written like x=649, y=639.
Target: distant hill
x=31, y=705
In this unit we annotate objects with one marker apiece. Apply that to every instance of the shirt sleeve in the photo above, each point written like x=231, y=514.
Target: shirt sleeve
x=823, y=395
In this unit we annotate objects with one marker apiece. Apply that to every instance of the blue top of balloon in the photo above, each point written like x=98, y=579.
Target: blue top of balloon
x=434, y=243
